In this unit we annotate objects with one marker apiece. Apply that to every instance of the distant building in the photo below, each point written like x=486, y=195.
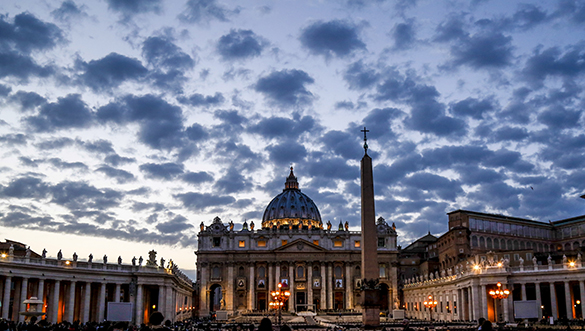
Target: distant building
x=319, y=265
x=540, y=263
x=79, y=290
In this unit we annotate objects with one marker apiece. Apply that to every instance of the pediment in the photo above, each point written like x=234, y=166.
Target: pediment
x=300, y=246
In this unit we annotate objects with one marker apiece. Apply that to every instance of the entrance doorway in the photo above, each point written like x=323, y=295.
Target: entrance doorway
x=261, y=301
x=215, y=297
x=301, y=303
x=338, y=301
x=384, y=291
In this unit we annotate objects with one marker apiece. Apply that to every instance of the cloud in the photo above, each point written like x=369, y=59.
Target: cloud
x=25, y=187
x=164, y=171
x=168, y=62
x=551, y=62
x=200, y=100
x=451, y=29
x=62, y=165
x=232, y=182
x=116, y=160
x=334, y=38
x=204, y=11
x=176, y=225
x=196, y=132
x=110, y=72
x=360, y=76
x=121, y=176
x=82, y=196
x=343, y=143
x=197, y=177
x=404, y=35
x=27, y=100
x=559, y=118
x=13, y=64
x=281, y=127
x=240, y=45
x=472, y=107
x=287, y=152
x=69, y=112
x=28, y=34
x=130, y=8
x=69, y=11
x=286, y=87
x=14, y=139
x=441, y=187
x=201, y=201
x=483, y=50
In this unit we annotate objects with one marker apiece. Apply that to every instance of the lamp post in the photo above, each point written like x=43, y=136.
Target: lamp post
x=430, y=304
x=279, y=297
x=498, y=294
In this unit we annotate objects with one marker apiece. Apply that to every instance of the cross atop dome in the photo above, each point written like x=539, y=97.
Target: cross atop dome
x=291, y=181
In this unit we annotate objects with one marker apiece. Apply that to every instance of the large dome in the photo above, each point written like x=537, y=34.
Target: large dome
x=292, y=208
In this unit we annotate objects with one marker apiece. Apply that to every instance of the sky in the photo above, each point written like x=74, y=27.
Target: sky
x=124, y=124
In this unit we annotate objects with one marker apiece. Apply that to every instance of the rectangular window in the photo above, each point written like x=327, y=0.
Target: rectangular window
x=216, y=241
x=455, y=307
x=242, y=243
x=316, y=242
x=284, y=242
x=528, y=256
x=382, y=271
x=516, y=257
x=506, y=256
x=337, y=243
x=261, y=243
x=357, y=244
x=381, y=242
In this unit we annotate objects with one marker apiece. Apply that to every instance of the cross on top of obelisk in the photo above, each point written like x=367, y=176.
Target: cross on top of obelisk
x=365, y=139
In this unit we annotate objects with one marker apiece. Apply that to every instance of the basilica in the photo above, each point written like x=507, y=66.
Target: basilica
x=320, y=265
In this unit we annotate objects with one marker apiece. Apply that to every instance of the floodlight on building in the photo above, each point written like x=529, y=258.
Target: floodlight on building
x=572, y=264
x=476, y=267
x=4, y=255
x=500, y=264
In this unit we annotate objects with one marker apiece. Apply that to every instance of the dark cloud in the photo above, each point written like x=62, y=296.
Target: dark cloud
x=483, y=50
x=472, y=107
x=473, y=175
x=55, y=143
x=116, y=160
x=68, y=11
x=14, y=139
x=161, y=124
x=27, y=100
x=60, y=164
x=240, y=44
x=201, y=201
x=28, y=161
x=281, y=127
x=22, y=67
x=286, y=87
x=110, y=71
x=528, y=16
x=27, y=33
x=232, y=182
x=508, y=133
x=348, y=105
x=359, y=76
x=334, y=38
x=165, y=171
x=5, y=90
x=443, y=188
x=25, y=187
x=559, y=118
x=518, y=110
x=379, y=123
x=551, y=62
x=168, y=61
x=177, y=224
x=204, y=11
x=196, y=132
x=454, y=28
x=130, y=8
x=403, y=35
x=200, y=100
x=121, y=176
x=332, y=168
x=343, y=143
x=575, y=9
x=140, y=206
x=69, y=112
x=197, y=177
x=287, y=152
x=82, y=196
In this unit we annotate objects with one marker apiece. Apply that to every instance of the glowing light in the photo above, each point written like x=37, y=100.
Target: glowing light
x=571, y=264
x=578, y=302
x=476, y=267
x=153, y=306
x=499, y=293
x=67, y=262
x=3, y=255
x=500, y=264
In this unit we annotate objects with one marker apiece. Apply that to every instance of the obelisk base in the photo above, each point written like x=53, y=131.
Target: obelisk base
x=371, y=308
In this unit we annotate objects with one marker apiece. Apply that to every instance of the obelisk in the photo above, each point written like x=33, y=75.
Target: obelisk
x=370, y=273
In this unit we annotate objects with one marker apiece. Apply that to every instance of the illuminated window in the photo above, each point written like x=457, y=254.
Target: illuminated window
x=337, y=243
x=261, y=243
x=382, y=271
x=284, y=242
x=242, y=243
x=316, y=242
x=357, y=244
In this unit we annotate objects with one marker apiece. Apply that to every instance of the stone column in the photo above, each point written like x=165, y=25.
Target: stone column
x=162, y=301
x=505, y=306
x=55, y=304
x=251, y=298
x=139, y=302
x=23, y=296
x=470, y=314
x=277, y=275
x=169, y=308
x=323, y=287
x=349, y=287
x=102, y=304
x=582, y=292
x=310, y=287
x=553, y=301
x=568, y=301
x=87, y=303
x=71, y=302
x=452, y=304
x=475, y=302
x=229, y=300
x=203, y=295
x=523, y=291
x=6, y=298
x=41, y=292
x=330, y=286
x=538, y=299
x=484, y=307
x=117, y=292
x=291, y=284
x=270, y=280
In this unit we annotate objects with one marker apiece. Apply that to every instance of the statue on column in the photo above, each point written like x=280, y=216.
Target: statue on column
x=202, y=226
x=11, y=250
x=105, y=259
x=565, y=259
x=231, y=225
x=119, y=259
x=252, y=225
x=59, y=255
x=140, y=260
x=90, y=258
x=328, y=225
x=27, y=254
x=44, y=254
x=549, y=260
x=534, y=261
x=162, y=262
x=346, y=226
x=134, y=260
x=75, y=257
x=521, y=260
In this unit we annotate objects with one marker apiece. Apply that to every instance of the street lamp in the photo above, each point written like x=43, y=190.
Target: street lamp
x=430, y=304
x=279, y=297
x=498, y=293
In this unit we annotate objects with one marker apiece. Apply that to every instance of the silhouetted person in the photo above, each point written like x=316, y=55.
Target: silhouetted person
x=265, y=325
x=486, y=326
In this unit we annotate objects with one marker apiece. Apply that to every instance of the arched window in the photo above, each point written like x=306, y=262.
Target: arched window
x=215, y=272
x=568, y=246
x=481, y=242
x=337, y=272
x=474, y=241
x=300, y=272
x=522, y=245
x=575, y=245
x=284, y=271
x=358, y=272
x=489, y=243
x=316, y=271
x=496, y=243
x=516, y=245
x=241, y=272
x=261, y=272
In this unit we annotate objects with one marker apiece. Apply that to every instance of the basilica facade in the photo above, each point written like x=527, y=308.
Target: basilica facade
x=320, y=265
